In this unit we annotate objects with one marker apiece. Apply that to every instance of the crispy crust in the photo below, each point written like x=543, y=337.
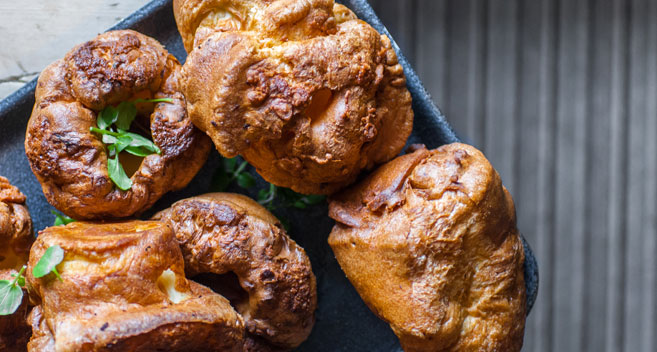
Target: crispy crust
x=111, y=297
x=70, y=162
x=441, y=229
x=15, y=227
x=303, y=90
x=223, y=232
x=15, y=241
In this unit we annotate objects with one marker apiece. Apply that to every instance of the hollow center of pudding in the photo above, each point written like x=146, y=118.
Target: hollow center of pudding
x=130, y=163
x=221, y=20
x=227, y=285
x=9, y=259
x=319, y=103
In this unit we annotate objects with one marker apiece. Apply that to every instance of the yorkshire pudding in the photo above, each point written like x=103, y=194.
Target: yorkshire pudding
x=15, y=241
x=123, y=288
x=302, y=89
x=70, y=162
x=430, y=243
x=221, y=233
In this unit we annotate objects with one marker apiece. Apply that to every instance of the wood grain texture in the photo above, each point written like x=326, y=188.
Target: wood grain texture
x=561, y=95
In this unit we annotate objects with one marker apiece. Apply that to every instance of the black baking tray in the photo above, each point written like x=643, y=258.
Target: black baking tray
x=344, y=323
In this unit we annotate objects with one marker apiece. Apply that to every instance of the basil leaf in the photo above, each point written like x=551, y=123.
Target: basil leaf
x=11, y=297
x=48, y=262
x=127, y=111
x=116, y=172
x=107, y=117
x=245, y=180
x=61, y=219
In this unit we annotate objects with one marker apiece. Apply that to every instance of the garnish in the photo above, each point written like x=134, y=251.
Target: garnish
x=61, y=219
x=48, y=262
x=228, y=172
x=11, y=293
x=288, y=197
x=113, y=125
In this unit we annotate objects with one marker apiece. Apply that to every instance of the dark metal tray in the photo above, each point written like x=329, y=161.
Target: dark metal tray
x=344, y=323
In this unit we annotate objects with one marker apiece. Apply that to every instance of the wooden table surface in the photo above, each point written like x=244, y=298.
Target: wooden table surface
x=561, y=95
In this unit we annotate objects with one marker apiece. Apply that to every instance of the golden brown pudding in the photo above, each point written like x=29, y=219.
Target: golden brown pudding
x=224, y=233
x=71, y=162
x=15, y=240
x=123, y=288
x=303, y=90
x=430, y=242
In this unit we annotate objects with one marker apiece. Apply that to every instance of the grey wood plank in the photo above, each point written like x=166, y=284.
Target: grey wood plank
x=398, y=17
x=598, y=149
x=431, y=48
x=614, y=321
x=465, y=76
x=571, y=115
x=535, y=163
x=649, y=313
x=635, y=302
x=546, y=227
x=501, y=88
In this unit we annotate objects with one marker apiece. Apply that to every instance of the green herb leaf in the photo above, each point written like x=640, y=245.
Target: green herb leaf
x=123, y=116
x=48, y=262
x=230, y=164
x=11, y=296
x=245, y=180
x=61, y=219
x=299, y=204
x=220, y=180
x=20, y=280
x=138, y=151
x=127, y=111
x=116, y=172
x=142, y=142
x=313, y=199
x=158, y=100
x=122, y=142
x=107, y=117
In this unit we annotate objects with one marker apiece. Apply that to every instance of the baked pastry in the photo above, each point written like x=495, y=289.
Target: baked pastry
x=221, y=233
x=123, y=288
x=430, y=243
x=15, y=240
x=71, y=162
x=303, y=90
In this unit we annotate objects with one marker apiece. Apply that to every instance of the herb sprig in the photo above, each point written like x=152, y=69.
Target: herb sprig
x=61, y=219
x=113, y=125
x=11, y=291
x=228, y=172
x=233, y=169
x=287, y=197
